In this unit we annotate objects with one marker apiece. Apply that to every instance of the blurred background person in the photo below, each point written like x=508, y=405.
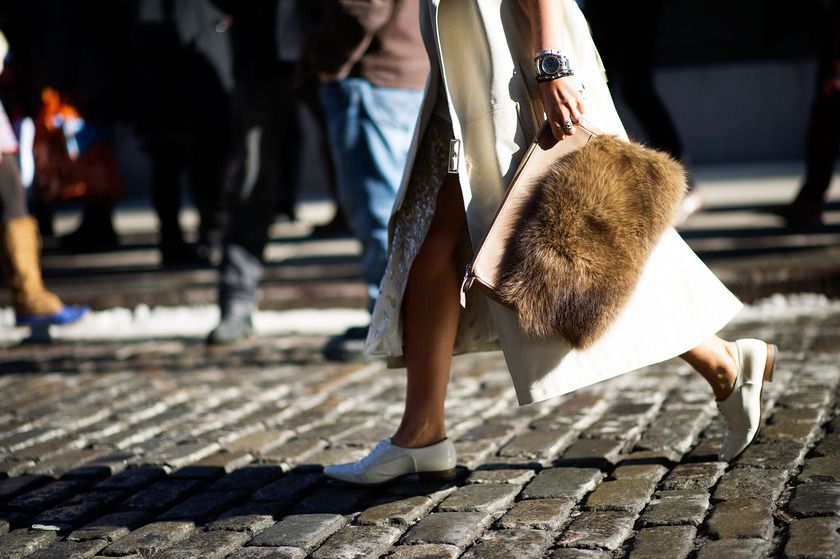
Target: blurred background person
x=371, y=61
x=823, y=140
x=66, y=69
x=180, y=110
x=20, y=241
x=627, y=35
x=265, y=38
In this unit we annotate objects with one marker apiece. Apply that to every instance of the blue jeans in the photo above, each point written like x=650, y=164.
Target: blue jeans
x=370, y=130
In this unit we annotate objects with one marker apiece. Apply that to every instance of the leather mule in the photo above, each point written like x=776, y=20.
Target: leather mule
x=387, y=462
x=743, y=408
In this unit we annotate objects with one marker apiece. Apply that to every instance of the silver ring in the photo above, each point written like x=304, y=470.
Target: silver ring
x=568, y=125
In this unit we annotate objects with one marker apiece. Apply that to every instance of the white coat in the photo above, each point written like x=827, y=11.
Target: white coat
x=483, y=51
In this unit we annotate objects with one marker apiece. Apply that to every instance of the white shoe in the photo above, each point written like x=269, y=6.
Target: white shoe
x=742, y=409
x=387, y=461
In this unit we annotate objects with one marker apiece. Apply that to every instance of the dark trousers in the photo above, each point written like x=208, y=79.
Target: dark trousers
x=824, y=128
x=262, y=180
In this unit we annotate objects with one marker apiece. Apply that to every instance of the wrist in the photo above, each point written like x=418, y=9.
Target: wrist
x=551, y=64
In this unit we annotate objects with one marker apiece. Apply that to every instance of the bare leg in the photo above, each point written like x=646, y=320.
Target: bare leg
x=716, y=361
x=431, y=313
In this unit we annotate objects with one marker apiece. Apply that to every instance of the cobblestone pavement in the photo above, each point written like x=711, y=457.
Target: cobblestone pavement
x=164, y=448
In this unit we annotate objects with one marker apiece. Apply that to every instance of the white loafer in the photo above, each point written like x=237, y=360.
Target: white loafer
x=387, y=462
x=742, y=409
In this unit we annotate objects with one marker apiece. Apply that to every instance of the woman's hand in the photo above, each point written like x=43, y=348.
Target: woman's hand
x=563, y=105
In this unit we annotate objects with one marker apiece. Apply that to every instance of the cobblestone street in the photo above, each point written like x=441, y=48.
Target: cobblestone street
x=165, y=448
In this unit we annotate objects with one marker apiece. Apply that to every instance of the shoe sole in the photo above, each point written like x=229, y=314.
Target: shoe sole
x=769, y=369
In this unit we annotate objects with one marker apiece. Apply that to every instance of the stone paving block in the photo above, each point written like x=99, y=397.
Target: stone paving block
x=813, y=416
x=425, y=551
x=473, y=455
x=490, y=430
x=12, y=486
x=268, y=553
x=742, y=518
x=480, y=498
x=650, y=472
x=207, y=545
x=629, y=495
x=515, y=476
x=70, y=550
x=110, y=527
x=598, y=453
x=161, y=495
x=670, y=508
x=251, y=518
x=663, y=542
x=504, y=544
x=4, y=526
x=805, y=399
x=203, y=505
x=14, y=442
x=538, y=445
x=61, y=463
x=542, y=514
x=674, y=430
x=259, y=442
x=150, y=539
x=750, y=482
x=746, y=548
x=571, y=553
x=773, y=456
x=20, y=543
x=294, y=452
x=790, y=431
x=133, y=479
x=352, y=542
x=45, y=496
x=335, y=499
x=825, y=468
x=181, y=455
x=396, y=512
x=562, y=482
x=305, y=531
x=216, y=465
x=598, y=530
x=699, y=475
x=459, y=529
x=813, y=538
x=289, y=487
x=76, y=510
x=15, y=468
x=816, y=499
x=664, y=457
x=249, y=478
x=829, y=445
x=626, y=428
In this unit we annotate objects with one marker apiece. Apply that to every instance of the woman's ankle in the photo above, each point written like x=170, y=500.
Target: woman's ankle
x=417, y=438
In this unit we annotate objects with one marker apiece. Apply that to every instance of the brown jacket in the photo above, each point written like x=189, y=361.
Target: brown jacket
x=378, y=40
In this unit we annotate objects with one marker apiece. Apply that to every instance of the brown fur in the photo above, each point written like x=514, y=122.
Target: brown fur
x=584, y=237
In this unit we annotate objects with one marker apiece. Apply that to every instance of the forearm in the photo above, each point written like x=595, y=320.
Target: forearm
x=546, y=17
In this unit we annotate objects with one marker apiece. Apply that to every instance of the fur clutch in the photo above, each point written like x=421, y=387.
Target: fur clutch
x=571, y=238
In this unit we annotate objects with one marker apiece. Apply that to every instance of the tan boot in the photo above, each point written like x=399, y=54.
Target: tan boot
x=21, y=245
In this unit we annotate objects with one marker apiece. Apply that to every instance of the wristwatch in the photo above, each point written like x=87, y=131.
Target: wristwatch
x=552, y=64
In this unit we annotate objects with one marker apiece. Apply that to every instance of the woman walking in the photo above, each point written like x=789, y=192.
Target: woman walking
x=485, y=102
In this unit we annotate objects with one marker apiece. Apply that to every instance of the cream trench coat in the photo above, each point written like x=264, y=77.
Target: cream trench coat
x=482, y=50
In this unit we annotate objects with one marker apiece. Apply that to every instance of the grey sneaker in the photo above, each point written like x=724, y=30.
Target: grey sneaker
x=235, y=326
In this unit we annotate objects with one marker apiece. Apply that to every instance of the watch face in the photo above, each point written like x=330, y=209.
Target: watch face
x=550, y=65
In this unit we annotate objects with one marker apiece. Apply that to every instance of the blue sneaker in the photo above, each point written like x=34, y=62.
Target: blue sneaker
x=67, y=315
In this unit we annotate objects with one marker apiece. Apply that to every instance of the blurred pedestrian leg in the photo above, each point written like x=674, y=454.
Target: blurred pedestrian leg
x=370, y=130
x=823, y=132
x=267, y=151
x=371, y=61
